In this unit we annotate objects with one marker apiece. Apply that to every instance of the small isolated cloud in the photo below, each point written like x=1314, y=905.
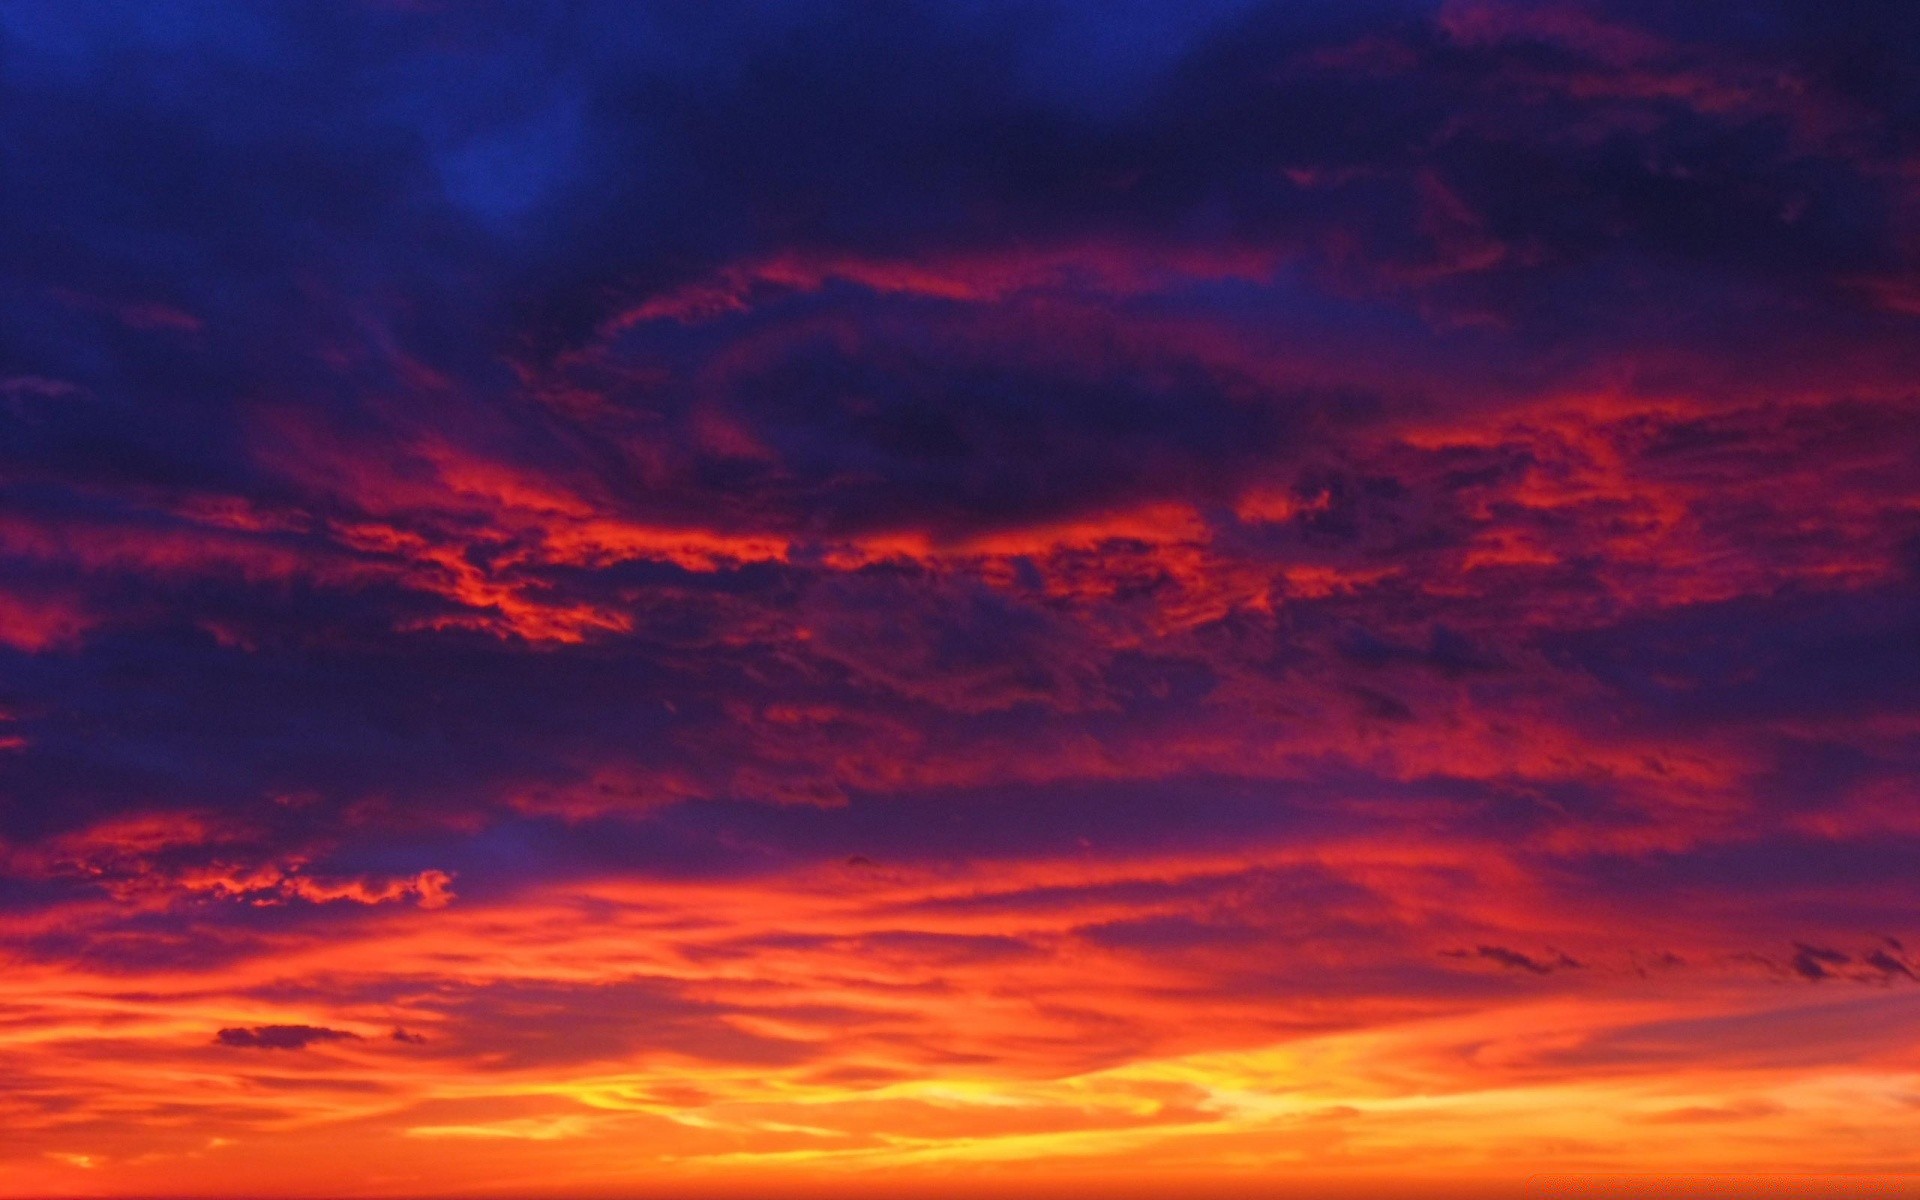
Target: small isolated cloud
x=1517, y=961
x=1816, y=962
x=280, y=1037
x=1889, y=965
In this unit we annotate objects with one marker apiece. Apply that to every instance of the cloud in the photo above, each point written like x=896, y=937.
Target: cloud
x=35, y=625
x=1515, y=960
x=280, y=1037
x=854, y=589
x=1814, y=963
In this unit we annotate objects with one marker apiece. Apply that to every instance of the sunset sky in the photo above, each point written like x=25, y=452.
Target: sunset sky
x=971, y=597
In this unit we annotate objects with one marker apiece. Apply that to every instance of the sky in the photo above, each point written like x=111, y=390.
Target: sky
x=983, y=597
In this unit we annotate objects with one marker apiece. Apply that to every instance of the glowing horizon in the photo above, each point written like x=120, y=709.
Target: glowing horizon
x=1008, y=600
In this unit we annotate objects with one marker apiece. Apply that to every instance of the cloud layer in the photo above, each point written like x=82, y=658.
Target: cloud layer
x=1025, y=594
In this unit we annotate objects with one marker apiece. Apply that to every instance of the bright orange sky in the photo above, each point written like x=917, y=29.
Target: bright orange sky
x=895, y=1028
x=1215, y=598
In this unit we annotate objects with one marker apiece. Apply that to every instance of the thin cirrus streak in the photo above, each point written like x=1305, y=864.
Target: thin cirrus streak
x=1004, y=599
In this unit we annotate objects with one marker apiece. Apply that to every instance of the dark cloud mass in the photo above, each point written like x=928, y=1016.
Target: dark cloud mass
x=791, y=592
